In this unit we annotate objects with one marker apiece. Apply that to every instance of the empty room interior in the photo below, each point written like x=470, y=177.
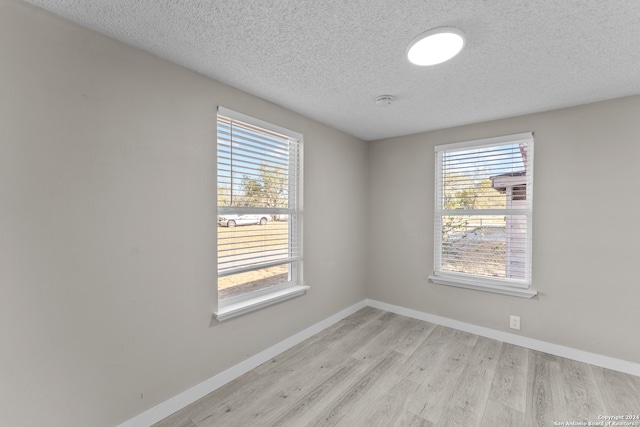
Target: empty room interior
x=253, y=213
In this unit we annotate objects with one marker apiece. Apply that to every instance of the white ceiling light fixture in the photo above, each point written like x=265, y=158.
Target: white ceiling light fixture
x=435, y=46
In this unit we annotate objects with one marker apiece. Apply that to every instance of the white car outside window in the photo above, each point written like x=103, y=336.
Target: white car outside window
x=233, y=220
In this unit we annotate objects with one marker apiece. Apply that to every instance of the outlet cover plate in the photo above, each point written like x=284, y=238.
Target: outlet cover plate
x=514, y=322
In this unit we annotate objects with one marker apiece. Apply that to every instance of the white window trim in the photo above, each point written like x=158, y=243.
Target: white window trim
x=500, y=286
x=483, y=286
x=232, y=308
x=246, y=303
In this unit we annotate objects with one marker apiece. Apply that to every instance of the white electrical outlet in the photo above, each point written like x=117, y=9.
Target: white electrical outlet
x=514, y=322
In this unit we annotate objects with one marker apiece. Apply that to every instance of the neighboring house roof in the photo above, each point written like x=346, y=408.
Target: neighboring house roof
x=509, y=179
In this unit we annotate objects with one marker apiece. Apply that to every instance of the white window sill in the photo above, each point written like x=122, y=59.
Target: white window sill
x=236, y=309
x=486, y=287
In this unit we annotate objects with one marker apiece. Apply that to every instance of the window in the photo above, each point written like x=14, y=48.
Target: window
x=259, y=215
x=483, y=214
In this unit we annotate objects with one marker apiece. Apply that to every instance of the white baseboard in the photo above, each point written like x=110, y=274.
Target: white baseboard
x=163, y=410
x=546, y=347
x=189, y=396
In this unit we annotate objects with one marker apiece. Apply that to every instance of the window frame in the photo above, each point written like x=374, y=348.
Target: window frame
x=237, y=305
x=519, y=288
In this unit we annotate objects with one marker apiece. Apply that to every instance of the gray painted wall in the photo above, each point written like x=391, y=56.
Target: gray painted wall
x=107, y=226
x=586, y=239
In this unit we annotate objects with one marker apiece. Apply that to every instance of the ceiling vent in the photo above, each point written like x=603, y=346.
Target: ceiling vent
x=384, y=100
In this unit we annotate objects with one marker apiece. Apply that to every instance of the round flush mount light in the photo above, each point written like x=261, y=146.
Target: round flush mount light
x=435, y=46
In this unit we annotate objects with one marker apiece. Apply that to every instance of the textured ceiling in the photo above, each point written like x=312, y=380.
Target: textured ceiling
x=330, y=59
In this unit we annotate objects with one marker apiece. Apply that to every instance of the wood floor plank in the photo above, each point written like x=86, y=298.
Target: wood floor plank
x=538, y=393
x=421, y=360
x=409, y=419
x=635, y=382
x=389, y=405
x=439, y=377
x=466, y=404
x=618, y=391
x=539, y=411
x=270, y=393
x=343, y=403
x=582, y=398
x=333, y=336
x=176, y=420
x=292, y=376
x=381, y=398
x=381, y=369
x=557, y=386
x=305, y=405
x=497, y=413
x=224, y=410
x=510, y=382
x=415, y=333
x=266, y=392
x=395, y=335
x=221, y=399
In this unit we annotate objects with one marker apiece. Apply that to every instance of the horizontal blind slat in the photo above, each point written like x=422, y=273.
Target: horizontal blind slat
x=257, y=173
x=483, y=209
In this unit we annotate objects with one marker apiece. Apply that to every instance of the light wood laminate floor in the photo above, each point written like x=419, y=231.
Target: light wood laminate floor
x=376, y=368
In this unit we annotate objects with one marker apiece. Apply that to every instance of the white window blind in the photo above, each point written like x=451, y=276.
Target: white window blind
x=258, y=177
x=483, y=211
